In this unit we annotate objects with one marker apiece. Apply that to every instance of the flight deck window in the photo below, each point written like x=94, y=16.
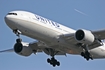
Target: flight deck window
x=12, y=13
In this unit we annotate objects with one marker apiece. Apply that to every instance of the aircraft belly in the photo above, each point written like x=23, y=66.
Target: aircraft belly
x=36, y=31
x=98, y=52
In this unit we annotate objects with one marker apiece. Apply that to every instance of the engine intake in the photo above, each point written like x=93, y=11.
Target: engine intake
x=23, y=49
x=79, y=35
x=84, y=36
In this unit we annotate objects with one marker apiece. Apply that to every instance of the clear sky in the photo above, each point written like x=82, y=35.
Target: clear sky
x=87, y=14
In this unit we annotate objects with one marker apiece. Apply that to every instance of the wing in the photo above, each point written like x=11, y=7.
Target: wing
x=71, y=40
x=99, y=34
x=43, y=47
x=36, y=47
x=8, y=50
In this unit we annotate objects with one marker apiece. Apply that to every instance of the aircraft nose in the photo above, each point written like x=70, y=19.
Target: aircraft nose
x=10, y=16
x=9, y=21
x=6, y=18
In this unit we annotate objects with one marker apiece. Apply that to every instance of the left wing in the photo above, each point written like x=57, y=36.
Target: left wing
x=99, y=34
x=85, y=34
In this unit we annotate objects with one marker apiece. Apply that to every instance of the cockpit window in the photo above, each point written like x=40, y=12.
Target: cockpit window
x=12, y=13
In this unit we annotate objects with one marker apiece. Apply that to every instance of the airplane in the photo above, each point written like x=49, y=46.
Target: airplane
x=53, y=38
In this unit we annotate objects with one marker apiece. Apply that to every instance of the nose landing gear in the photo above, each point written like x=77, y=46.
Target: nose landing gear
x=17, y=32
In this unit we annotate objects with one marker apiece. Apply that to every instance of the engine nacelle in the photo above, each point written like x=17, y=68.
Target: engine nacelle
x=84, y=36
x=23, y=49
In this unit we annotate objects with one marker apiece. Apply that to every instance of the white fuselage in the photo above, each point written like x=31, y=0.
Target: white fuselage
x=48, y=31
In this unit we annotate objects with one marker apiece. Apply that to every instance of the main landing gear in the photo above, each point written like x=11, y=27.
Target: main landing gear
x=86, y=54
x=52, y=60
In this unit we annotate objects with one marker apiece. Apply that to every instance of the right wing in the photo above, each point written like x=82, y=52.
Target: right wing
x=34, y=47
x=8, y=50
x=43, y=47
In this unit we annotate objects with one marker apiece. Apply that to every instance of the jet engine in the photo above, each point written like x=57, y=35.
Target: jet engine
x=84, y=36
x=23, y=49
